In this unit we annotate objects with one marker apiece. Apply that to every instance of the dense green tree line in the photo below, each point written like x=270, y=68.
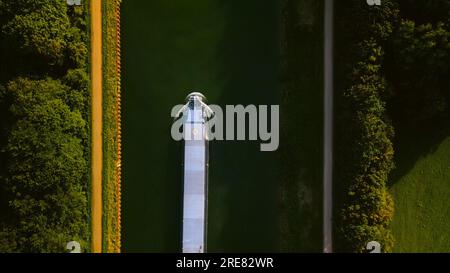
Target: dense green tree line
x=393, y=65
x=44, y=131
x=365, y=133
x=420, y=52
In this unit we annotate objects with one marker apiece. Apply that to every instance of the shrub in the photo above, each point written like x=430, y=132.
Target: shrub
x=366, y=149
x=368, y=208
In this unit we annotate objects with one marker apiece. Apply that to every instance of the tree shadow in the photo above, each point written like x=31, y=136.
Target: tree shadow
x=413, y=142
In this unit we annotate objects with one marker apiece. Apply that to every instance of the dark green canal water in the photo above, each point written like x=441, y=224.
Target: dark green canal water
x=228, y=50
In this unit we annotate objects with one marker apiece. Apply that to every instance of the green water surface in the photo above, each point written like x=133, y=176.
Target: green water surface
x=228, y=50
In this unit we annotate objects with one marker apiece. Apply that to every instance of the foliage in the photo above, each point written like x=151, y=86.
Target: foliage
x=37, y=27
x=420, y=52
x=111, y=128
x=46, y=167
x=44, y=102
x=43, y=36
x=366, y=149
x=388, y=51
x=368, y=207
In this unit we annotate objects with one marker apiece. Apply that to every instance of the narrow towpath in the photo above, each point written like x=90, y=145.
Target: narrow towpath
x=97, y=150
x=328, y=131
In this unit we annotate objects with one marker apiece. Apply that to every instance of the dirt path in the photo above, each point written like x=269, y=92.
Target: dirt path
x=328, y=131
x=97, y=150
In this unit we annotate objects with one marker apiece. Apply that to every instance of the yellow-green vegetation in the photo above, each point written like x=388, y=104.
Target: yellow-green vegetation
x=422, y=192
x=364, y=149
x=420, y=110
x=111, y=126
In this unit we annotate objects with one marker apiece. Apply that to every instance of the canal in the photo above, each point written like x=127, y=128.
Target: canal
x=229, y=51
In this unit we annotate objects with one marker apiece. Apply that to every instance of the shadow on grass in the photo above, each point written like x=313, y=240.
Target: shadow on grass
x=413, y=142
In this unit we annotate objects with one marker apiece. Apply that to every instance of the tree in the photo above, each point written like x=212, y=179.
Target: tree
x=365, y=156
x=46, y=170
x=420, y=52
x=43, y=36
x=37, y=27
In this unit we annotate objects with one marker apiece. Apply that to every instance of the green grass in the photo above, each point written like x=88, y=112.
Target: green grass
x=422, y=194
x=111, y=231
